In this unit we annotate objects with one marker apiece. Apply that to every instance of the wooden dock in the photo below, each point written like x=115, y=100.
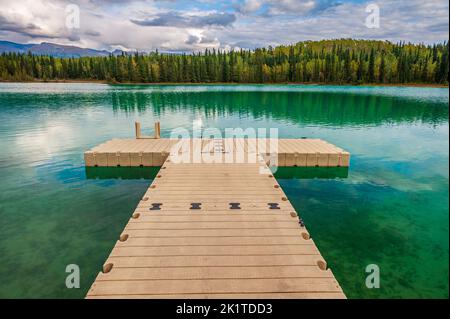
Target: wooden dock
x=214, y=230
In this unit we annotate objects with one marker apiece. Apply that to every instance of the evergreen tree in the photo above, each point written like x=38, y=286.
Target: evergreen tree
x=372, y=66
x=381, y=73
x=327, y=61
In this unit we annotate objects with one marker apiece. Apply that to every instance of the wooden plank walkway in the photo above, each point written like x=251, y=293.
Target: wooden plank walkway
x=212, y=230
x=153, y=152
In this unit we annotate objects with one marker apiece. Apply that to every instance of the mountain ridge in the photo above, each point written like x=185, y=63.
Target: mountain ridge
x=53, y=49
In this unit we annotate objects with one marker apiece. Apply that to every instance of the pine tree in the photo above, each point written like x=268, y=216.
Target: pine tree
x=381, y=75
x=329, y=61
x=371, y=70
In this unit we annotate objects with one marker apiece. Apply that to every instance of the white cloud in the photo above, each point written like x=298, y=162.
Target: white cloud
x=250, y=6
x=414, y=21
x=291, y=7
x=108, y=24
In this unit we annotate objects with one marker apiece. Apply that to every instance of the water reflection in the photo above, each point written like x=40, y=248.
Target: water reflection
x=121, y=172
x=327, y=108
x=311, y=172
x=281, y=173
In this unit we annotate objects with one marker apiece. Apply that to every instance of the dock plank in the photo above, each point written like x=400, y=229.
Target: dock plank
x=214, y=273
x=215, y=286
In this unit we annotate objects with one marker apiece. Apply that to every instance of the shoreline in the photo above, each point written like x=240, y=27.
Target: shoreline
x=426, y=85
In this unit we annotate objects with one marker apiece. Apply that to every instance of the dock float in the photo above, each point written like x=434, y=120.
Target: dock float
x=153, y=152
x=214, y=230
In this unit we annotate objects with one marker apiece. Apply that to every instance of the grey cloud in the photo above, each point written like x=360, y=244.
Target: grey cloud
x=438, y=27
x=192, y=39
x=175, y=19
x=74, y=37
x=7, y=25
x=206, y=40
x=93, y=33
x=28, y=29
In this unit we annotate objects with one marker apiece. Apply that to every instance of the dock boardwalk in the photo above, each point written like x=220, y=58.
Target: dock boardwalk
x=215, y=230
x=153, y=152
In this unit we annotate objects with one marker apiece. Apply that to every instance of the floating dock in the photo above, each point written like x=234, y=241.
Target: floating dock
x=153, y=152
x=215, y=230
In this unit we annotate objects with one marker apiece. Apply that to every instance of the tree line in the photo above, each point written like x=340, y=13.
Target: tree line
x=328, y=61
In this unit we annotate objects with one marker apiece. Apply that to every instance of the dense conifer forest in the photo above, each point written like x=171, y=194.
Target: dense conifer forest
x=328, y=61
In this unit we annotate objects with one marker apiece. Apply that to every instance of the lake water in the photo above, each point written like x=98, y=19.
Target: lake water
x=390, y=208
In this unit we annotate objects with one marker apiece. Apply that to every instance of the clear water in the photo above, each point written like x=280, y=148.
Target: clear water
x=390, y=208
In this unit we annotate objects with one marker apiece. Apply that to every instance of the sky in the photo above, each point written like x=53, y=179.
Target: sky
x=187, y=26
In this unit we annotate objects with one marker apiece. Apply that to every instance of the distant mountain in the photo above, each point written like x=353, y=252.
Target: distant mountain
x=56, y=50
x=7, y=47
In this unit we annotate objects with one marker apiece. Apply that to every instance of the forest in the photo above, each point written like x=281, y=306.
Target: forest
x=327, y=61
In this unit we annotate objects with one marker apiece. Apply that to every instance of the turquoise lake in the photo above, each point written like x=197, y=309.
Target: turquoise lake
x=390, y=208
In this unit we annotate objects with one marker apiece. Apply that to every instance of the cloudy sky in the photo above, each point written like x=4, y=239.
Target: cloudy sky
x=175, y=25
